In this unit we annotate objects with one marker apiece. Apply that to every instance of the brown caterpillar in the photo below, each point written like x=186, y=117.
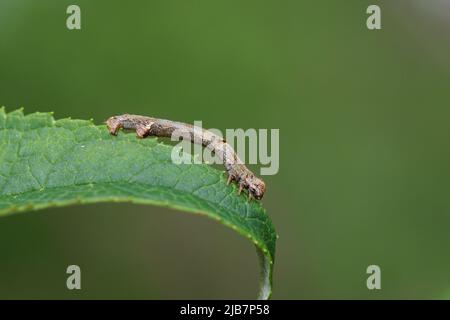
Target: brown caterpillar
x=147, y=126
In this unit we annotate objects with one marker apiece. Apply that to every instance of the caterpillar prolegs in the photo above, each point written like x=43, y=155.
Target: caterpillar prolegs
x=237, y=171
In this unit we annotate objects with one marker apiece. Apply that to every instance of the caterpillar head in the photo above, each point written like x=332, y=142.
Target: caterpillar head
x=256, y=187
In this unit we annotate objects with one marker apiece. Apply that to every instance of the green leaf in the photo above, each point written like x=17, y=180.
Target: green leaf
x=47, y=163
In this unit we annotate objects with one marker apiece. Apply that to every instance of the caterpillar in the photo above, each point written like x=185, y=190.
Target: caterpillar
x=236, y=170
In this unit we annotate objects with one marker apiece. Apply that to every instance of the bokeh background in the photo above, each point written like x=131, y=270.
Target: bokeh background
x=365, y=143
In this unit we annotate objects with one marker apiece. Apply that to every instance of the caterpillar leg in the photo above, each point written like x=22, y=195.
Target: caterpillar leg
x=230, y=178
x=241, y=187
x=143, y=130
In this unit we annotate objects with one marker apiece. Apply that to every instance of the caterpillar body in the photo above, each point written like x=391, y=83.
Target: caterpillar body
x=236, y=170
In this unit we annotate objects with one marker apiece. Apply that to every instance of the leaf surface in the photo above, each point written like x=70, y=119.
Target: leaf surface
x=47, y=163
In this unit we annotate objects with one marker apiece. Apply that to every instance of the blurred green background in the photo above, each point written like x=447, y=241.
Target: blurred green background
x=365, y=143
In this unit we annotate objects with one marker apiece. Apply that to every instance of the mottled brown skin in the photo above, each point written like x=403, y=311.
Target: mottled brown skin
x=237, y=171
